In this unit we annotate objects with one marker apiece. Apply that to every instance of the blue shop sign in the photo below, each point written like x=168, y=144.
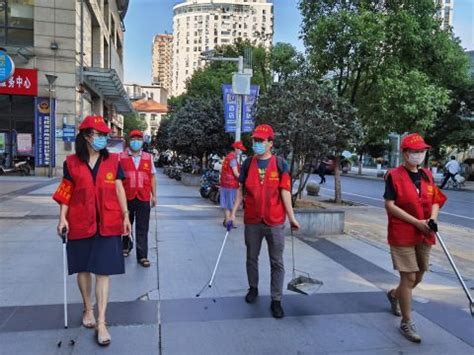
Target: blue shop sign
x=69, y=133
x=7, y=67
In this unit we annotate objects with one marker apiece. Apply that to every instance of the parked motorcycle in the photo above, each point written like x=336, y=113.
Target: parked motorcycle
x=208, y=179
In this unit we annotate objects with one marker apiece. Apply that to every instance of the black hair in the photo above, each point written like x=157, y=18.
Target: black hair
x=453, y=157
x=80, y=145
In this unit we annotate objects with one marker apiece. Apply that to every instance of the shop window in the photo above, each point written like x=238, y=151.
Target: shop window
x=16, y=22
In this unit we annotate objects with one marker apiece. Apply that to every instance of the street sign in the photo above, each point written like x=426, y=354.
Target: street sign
x=230, y=108
x=7, y=67
x=43, y=145
x=69, y=133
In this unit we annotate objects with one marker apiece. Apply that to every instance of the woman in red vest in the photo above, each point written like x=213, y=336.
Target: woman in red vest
x=411, y=200
x=267, y=203
x=230, y=179
x=93, y=210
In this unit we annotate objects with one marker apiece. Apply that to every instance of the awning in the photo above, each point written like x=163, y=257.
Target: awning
x=106, y=83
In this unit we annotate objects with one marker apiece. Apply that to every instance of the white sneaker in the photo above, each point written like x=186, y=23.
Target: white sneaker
x=408, y=330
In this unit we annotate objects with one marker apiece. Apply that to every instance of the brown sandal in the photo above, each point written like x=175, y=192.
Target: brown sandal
x=144, y=262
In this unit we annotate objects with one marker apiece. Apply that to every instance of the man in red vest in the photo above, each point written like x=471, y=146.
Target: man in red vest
x=140, y=187
x=411, y=200
x=230, y=179
x=267, y=185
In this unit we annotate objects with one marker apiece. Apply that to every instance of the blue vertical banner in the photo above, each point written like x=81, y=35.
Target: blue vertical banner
x=231, y=107
x=44, y=146
x=248, y=109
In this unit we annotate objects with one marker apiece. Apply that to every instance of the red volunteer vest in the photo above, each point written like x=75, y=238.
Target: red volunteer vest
x=401, y=233
x=89, y=200
x=137, y=182
x=263, y=203
x=228, y=179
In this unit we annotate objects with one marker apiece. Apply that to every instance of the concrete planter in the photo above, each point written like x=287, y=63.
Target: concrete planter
x=316, y=222
x=191, y=179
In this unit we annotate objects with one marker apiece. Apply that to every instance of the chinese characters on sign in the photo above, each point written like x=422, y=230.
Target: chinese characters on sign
x=22, y=82
x=43, y=147
x=231, y=107
x=24, y=143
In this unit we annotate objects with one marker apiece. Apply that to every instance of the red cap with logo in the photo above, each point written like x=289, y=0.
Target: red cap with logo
x=239, y=145
x=136, y=134
x=95, y=122
x=414, y=141
x=263, y=131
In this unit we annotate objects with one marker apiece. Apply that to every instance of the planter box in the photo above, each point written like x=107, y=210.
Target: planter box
x=191, y=179
x=316, y=222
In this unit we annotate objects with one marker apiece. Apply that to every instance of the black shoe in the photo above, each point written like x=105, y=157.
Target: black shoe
x=277, y=311
x=251, y=295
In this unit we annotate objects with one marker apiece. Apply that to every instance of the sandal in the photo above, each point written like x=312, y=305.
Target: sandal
x=102, y=341
x=88, y=323
x=126, y=253
x=144, y=262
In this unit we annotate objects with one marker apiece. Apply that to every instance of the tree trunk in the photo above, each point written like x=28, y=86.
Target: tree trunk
x=361, y=157
x=300, y=188
x=337, y=180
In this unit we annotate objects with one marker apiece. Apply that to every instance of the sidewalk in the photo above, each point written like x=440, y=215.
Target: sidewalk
x=371, y=174
x=154, y=311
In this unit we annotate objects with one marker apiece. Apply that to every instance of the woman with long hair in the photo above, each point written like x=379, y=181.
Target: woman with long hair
x=93, y=213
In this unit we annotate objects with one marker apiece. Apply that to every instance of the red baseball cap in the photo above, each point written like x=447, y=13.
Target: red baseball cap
x=239, y=145
x=136, y=133
x=95, y=122
x=263, y=131
x=414, y=141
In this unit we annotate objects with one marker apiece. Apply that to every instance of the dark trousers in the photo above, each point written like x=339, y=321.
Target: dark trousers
x=323, y=179
x=139, y=213
x=446, y=178
x=275, y=237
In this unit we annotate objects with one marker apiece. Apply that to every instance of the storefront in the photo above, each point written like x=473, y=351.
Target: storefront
x=17, y=116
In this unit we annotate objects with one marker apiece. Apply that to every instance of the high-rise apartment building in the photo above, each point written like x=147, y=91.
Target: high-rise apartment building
x=200, y=25
x=162, y=61
x=446, y=13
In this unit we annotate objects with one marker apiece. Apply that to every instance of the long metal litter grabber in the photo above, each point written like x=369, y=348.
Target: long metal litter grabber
x=64, y=238
x=209, y=284
x=305, y=285
x=434, y=227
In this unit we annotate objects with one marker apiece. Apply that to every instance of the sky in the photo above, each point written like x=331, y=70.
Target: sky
x=145, y=18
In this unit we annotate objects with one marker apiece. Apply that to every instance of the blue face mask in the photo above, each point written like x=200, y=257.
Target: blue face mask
x=259, y=148
x=99, y=143
x=136, y=145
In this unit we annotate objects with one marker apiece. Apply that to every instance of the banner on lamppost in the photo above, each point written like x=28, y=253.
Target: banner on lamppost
x=43, y=144
x=231, y=107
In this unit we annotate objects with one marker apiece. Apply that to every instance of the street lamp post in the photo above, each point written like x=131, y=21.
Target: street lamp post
x=51, y=79
x=240, y=85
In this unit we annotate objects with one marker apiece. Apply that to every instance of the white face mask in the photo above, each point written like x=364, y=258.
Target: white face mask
x=416, y=158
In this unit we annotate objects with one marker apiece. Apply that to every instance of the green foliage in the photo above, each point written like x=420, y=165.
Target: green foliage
x=133, y=121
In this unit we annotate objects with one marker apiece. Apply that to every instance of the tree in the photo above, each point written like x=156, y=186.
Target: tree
x=387, y=57
x=133, y=121
x=162, y=139
x=311, y=122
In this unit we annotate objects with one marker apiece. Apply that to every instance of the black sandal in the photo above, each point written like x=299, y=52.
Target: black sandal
x=126, y=253
x=144, y=262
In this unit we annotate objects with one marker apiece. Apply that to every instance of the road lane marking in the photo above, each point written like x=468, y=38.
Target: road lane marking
x=381, y=200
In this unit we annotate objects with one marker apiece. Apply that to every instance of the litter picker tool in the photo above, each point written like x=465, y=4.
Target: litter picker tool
x=64, y=238
x=209, y=284
x=305, y=285
x=434, y=227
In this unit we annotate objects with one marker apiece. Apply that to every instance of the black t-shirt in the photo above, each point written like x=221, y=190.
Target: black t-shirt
x=390, y=193
x=120, y=174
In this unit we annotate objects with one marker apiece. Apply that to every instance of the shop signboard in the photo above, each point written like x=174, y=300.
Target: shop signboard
x=7, y=67
x=22, y=82
x=44, y=144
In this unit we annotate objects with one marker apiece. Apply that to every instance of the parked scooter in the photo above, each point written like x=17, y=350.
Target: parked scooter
x=208, y=179
x=21, y=167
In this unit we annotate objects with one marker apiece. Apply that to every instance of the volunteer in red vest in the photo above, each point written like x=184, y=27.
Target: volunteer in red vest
x=267, y=185
x=411, y=200
x=140, y=187
x=230, y=179
x=93, y=210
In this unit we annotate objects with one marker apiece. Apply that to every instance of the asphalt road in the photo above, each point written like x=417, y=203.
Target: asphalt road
x=458, y=210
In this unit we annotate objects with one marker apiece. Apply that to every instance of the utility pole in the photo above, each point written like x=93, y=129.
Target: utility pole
x=51, y=80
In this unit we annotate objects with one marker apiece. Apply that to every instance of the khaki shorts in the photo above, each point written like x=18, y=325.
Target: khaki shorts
x=411, y=259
